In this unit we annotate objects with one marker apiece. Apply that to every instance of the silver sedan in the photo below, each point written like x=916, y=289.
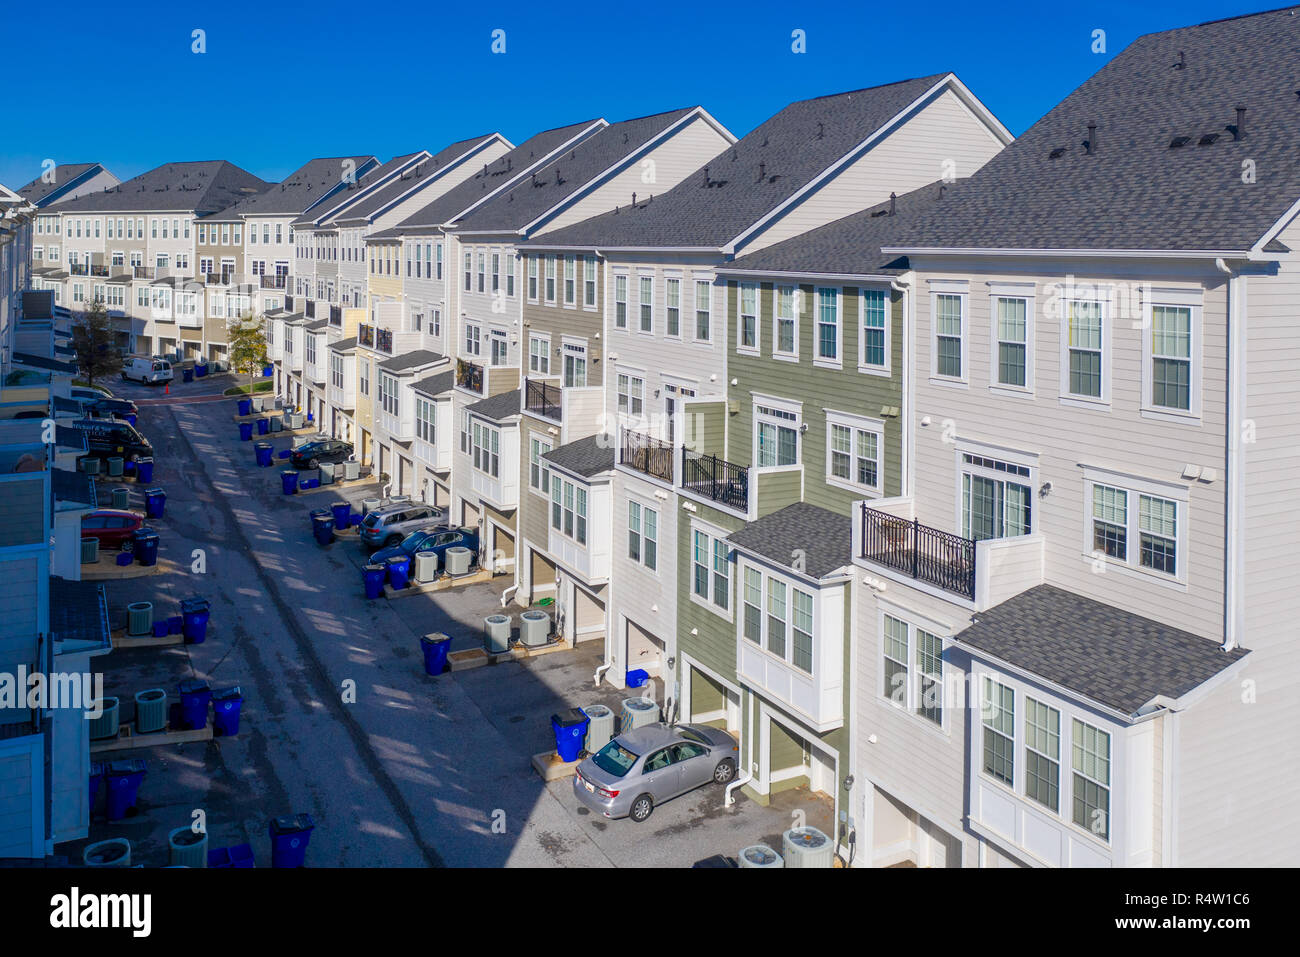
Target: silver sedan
x=652, y=764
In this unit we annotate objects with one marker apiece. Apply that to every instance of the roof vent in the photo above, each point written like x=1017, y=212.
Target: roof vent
x=762, y=172
x=1238, y=129
x=1182, y=61
x=1208, y=139
x=706, y=177
x=1178, y=142
x=634, y=199
x=1090, y=144
x=893, y=203
x=1056, y=153
x=821, y=130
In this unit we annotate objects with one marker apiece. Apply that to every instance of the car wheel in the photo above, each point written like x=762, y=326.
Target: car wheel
x=724, y=772
x=123, y=376
x=313, y=464
x=392, y=540
x=128, y=545
x=641, y=809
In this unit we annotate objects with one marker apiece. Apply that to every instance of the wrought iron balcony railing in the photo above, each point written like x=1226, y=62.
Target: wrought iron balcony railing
x=711, y=477
x=927, y=554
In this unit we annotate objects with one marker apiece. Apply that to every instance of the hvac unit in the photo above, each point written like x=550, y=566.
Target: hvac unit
x=150, y=711
x=295, y=420
x=368, y=505
x=105, y=726
x=601, y=728
x=139, y=618
x=458, y=560
x=397, y=500
x=760, y=855
x=188, y=848
x=496, y=634
x=807, y=847
x=426, y=566
x=637, y=712
x=351, y=470
x=535, y=628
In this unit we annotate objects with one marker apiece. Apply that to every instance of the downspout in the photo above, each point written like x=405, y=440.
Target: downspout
x=601, y=671
x=505, y=595
x=741, y=781
x=1233, y=452
x=906, y=434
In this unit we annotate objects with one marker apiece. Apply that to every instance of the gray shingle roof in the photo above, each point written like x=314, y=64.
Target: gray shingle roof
x=42, y=362
x=558, y=180
x=207, y=186
x=69, y=437
x=301, y=189
x=848, y=246
x=1134, y=192
x=344, y=345
x=65, y=174
x=824, y=537
x=78, y=611
x=317, y=325
x=790, y=149
x=585, y=457
x=1110, y=656
x=497, y=174
x=70, y=486
x=496, y=408
x=436, y=384
x=364, y=182
x=411, y=360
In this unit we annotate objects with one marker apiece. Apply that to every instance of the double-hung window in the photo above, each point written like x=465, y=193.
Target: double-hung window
x=703, y=310
x=569, y=509
x=828, y=325
x=539, y=355
x=998, y=717
x=912, y=668
x=747, y=320
x=469, y=271
x=949, y=325
x=643, y=535
x=710, y=569
x=426, y=420
x=1171, y=357
x=1043, y=754
x=1121, y=517
x=438, y=254
x=510, y=275
x=532, y=278
x=550, y=279
x=1011, y=364
x=1084, y=343
x=473, y=339
x=539, y=472
x=777, y=432
x=570, y=280
x=875, y=329
x=486, y=449
x=673, y=307
x=496, y=271
x=1090, y=759
x=853, y=450
x=996, y=499
x=620, y=302
x=631, y=394
x=785, y=334
x=589, y=281
x=646, y=302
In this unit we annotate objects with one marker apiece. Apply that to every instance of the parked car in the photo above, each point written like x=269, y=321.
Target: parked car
x=89, y=392
x=113, y=527
x=109, y=437
x=147, y=369
x=389, y=524
x=107, y=408
x=652, y=764
x=436, y=539
x=311, y=454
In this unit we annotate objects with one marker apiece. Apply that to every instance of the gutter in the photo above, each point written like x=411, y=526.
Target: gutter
x=1080, y=253
x=1234, y=453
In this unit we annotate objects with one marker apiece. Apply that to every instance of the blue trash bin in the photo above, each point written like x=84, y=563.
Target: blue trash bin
x=570, y=727
x=322, y=526
x=435, y=653
x=200, y=370
x=263, y=426
x=263, y=452
x=187, y=375
x=245, y=431
x=124, y=779
x=637, y=678
x=245, y=406
x=399, y=567
x=225, y=711
x=155, y=502
x=289, y=838
x=124, y=558
x=176, y=625
x=289, y=481
x=309, y=417
x=194, y=614
x=146, y=547
x=342, y=512
x=268, y=371
x=373, y=576
x=144, y=470
x=195, y=697
x=160, y=629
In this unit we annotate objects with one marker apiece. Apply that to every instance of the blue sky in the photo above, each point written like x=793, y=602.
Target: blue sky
x=282, y=83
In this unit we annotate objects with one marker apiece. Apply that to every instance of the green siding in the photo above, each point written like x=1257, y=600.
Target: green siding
x=706, y=694
x=558, y=320
x=715, y=644
x=776, y=490
x=706, y=427
x=787, y=750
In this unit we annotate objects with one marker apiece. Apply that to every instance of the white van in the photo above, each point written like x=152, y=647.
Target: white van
x=147, y=369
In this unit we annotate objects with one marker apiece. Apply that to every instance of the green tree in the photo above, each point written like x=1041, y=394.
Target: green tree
x=247, y=338
x=94, y=343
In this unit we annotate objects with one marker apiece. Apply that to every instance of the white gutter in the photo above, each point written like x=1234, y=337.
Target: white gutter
x=600, y=672
x=1234, y=551
x=816, y=276
x=907, y=419
x=741, y=781
x=1078, y=253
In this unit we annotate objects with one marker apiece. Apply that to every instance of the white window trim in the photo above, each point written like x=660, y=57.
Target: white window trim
x=1188, y=298
x=641, y=276
x=671, y=275
x=757, y=347
x=1136, y=485
x=1084, y=292
x=866, y=368
x=766, y=574
x=543, y=467
x=646, y=505
x=615, y=276
x=792, y=406
x=714, y=533
x=908, y=707
x=862, y=423
x=697, y=278
x=840, y=301
x=1011, y=290
x=545, y=339
x=962, y=292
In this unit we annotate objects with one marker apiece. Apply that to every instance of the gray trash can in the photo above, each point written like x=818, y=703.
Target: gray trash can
x=121, y=497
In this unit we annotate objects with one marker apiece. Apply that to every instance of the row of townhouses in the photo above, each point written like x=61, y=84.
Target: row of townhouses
x=945, y=469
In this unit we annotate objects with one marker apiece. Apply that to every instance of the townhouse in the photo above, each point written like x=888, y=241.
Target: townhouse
x=690, y=468
x=66, y=181
x=17, y=214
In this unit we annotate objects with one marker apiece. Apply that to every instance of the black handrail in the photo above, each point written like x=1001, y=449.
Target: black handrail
x=647, y=454
x=722, y=481
x=927, y=554
x=543, y=398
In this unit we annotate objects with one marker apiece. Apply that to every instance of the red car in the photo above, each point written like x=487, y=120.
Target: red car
x=112, y=526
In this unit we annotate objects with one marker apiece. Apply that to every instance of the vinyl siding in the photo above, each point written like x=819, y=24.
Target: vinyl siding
x=21, y=832
x=20, y=620
x=715, y=645
x=649, y=598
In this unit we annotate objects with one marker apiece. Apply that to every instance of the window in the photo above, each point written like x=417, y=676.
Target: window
x=917, y=686
x=1171, y=357
x=464, y=432
x=673, y=301
x=929, y=676
x=703, y=310
x=631, y=395
x=336, y=370
x=999, y=719
x=711, y=570
x=311, y=349
x=575, y=366
x=646, y=301
x=747, y=329
x=482, y=272
x=854, y=452
x=539, y=355
x=539, y=473
x=1153, y=524
x=1011, y=366
x=1091, y=763
x=776, y=616
x=426, y=420
x=510, y=275
x=643, y=535
x=777, y=436
x=1042, y=754
x=996, y=498
x=589, y=281
x=550, y=278
x=469, y=271
x=948, y=334
x=438, y=250
x=570, y=280
x=364, y=367
x=752, y=627
x=785, y=334
x=532, y=278
x=486, y=449
x=473, y=339
x=500, y=348
x=569, y=509
x=1084, y=322
x=1110, y=521
x=828, y=325
x=875, y=329
x=496, y=271
x=620, y=302
x=1158, y=534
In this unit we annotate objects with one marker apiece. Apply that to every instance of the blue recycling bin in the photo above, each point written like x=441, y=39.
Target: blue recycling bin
x=342, y=512
x=245, y=431
x=309, y=417
x=96, y=780
x=146, y=547
x=195, y=697
x=263, y=426
x=570, y=727
x=160, y=629
x=245, y=406
x=263, y=452
x=435, y=653
x=322, y=526
x=155, y=502
x=144, y=470
x=268, y=371
x=123, y=778
x=637, y=677
x=225, y=711
x=373, y=576
x=290, y=836
x=289, y=481
x=176, y=625
x=239, y=855
x=200, y=370
x=399, y=568
x=195, y=613
x=187, y=375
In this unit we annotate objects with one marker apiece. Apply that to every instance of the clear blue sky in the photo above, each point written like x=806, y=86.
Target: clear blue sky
x=281, y=83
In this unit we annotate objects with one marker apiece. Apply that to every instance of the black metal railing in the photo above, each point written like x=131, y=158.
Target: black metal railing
x=717, y=479
x=309, y=308
x=926, y=554
x=336, y=315
x=469, y=375
x=543, y=398
x=647, y=454
x=288, y=303
x=271, y=282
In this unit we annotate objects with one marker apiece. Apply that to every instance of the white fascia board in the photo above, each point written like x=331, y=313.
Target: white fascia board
x=1257, y=250
x=814, y=276
x=1071, y=253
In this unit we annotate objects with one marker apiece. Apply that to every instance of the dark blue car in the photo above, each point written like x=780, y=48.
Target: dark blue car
x=436, y=539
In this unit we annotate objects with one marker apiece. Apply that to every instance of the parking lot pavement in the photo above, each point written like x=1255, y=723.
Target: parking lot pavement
x=339, y=719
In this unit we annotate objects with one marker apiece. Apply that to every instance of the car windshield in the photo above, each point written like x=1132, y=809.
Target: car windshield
x=371, y=520
x=615, y=759
x=310, y=448
x=413, y=541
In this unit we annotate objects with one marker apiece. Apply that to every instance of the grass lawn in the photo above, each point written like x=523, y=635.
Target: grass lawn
x=263, y=386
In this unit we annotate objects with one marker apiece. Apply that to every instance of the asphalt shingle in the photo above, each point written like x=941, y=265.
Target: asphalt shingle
x=496, y=408
x=823, y=537
x=411, y=360
x=204, y=187
x=585, y=457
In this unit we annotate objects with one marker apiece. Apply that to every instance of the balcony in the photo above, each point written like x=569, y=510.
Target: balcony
x=78, y=269
x=142, y=272
x=469, y=375
x=366, y=335
x=336, y=316
x=272, y=282
x=543, y=399
x=716, y=479
x=919, y=551
x=288, y=303
x=309, y=308
x=647, y=455
x=384, y=341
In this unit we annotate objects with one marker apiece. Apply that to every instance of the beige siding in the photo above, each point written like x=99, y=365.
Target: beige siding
x=19, y=773
x=19, y=617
